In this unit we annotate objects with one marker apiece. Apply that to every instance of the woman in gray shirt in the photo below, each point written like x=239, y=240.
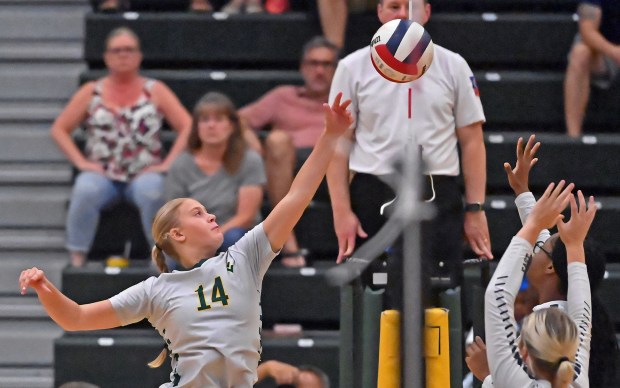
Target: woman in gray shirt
x=218, y=170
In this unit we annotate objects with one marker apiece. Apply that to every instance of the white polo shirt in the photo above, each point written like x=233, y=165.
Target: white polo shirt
x=444, y=99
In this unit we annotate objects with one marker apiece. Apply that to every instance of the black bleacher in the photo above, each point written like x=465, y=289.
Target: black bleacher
x=186, y=40
x=438, y=5
x=294, y=296
x=592, y=162
x=519, y=100
x=518, y=58
x=512, y=100
x=118, y=358
x=527, y=6
x=183, y=40
x=504, y=223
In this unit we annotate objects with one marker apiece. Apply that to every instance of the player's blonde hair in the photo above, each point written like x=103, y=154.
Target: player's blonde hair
x=551, y=338
x=165, y=219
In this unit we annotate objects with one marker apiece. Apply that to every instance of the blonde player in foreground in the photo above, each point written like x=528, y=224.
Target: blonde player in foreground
x=209, y=315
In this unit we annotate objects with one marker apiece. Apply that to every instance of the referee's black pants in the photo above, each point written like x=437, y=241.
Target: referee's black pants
x=441, y=237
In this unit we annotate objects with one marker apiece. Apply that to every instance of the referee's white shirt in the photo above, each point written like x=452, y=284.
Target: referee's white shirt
x=444, y=99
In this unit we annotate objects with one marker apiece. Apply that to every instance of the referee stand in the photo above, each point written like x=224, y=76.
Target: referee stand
x=358, y=319
x=361, y=324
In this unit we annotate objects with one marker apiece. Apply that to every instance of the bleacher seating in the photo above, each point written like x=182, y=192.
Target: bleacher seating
x=595, y=156
x=118, y=359
x=504, y=223
x=527, y=6
x=298, y=296
x=182, y=40
x=511, y=71
x=513, y=100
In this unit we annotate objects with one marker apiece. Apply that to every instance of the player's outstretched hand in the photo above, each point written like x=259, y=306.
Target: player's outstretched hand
x=518, y=177
x=575, y=230
x=547, y=211
x=337, y=118
x=476, y=359
x=32, y=277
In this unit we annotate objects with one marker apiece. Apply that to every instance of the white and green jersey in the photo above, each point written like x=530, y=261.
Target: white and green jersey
x=210, y=315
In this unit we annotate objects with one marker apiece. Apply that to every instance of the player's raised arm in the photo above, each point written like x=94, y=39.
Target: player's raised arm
x=64, y=311
x=518, y=177
x=288, y=211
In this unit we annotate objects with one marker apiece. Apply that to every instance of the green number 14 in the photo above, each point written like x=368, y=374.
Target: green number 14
x=218, y=294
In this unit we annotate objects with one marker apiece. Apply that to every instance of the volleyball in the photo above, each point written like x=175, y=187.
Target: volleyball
x=401, y=50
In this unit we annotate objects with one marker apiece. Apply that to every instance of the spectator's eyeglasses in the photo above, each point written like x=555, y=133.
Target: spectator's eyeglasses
x=122, y=50
x=539, y=247
x=317, y=63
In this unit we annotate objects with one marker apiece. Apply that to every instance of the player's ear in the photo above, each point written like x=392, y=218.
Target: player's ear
x=177, y=235
x=550, y=269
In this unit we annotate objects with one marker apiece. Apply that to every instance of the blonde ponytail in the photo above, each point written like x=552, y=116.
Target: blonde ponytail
x=157, y=362
x=565, y=373
x=157, y=254
x=551, y=338
x=165, y=219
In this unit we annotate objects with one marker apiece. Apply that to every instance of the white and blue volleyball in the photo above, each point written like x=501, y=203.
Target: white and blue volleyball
x=401, y=50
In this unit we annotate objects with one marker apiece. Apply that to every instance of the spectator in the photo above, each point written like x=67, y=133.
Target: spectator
x=218, y=170
x=593, y=59
x=112, y=6
x=446, y=113
x=247, y=6
x=304, y=376
x=122, y=114
x=333, y=16
x=201, y=6
x=296, y=119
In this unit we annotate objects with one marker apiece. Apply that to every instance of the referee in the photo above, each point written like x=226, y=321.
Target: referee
x=440, y=112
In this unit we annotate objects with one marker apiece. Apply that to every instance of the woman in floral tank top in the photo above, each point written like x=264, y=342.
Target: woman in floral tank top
x=122, y=114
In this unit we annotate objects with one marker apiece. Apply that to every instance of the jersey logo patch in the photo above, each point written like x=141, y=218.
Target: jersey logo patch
x=230, y=263
x=474, y=85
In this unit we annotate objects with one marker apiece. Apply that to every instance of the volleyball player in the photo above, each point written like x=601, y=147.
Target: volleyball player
x=507, y=355
x=209, y=315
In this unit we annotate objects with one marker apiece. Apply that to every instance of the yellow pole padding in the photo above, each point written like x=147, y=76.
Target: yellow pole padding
x=389, y=350
x=437, y=348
